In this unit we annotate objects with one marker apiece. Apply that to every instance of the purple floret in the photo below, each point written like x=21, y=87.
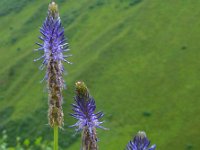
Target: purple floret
x=140, y=142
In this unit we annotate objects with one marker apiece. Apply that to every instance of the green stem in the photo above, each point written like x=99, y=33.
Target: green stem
x=55, y=137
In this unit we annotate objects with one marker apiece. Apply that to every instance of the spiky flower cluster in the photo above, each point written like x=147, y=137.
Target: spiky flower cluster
x=88, y=120
x=140, y=142
x=54, y=41
x=53, y=46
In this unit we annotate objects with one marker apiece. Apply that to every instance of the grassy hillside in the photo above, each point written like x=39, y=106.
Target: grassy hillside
x=139, y=58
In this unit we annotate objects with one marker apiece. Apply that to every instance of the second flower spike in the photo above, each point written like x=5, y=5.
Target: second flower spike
x=88, y=120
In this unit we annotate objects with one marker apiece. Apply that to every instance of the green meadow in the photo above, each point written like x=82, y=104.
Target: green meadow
x=139, y=58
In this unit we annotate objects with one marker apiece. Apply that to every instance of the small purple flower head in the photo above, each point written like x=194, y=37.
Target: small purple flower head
x=140, y=142
x=54, y=41
x=84, y=109
x=88, y=120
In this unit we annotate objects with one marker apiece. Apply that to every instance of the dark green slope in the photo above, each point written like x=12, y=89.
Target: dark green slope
x=140, y=59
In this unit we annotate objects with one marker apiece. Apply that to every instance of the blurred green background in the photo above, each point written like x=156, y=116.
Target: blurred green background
x=139, y=58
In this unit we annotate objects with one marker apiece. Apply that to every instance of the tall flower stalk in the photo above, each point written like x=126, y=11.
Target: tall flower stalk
x=88, y=121
x=53, y=46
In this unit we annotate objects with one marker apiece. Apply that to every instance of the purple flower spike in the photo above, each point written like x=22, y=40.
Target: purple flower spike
x=140, y=142
x=54, y=41
x=84, y=113
x=53, y=46
x=88, y=120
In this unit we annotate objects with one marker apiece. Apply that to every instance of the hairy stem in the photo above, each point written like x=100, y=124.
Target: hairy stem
x=55, y=137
